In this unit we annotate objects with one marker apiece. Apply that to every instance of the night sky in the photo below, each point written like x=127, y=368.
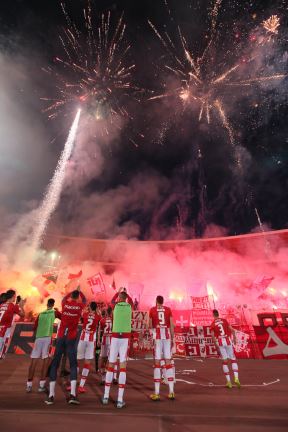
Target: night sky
x=204, y=187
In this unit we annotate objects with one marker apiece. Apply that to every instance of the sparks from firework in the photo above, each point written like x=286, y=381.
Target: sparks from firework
x=52, y=196
x=96, y=71
x=202, y=88
x=271, y=24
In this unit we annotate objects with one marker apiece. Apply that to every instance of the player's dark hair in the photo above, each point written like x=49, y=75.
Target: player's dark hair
x=215, y=312
x=123, y=296
x=160, y=300
x=50, y=303
x=109, y=310
x=2, y=297
x=10, y=293
x=93, y=306
x=75, y=294
x=103, y=313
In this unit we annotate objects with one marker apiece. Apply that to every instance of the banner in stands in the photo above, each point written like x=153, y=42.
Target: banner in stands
x=192, y=341
x=272, y=341
x=201, y=302
x=201, y=317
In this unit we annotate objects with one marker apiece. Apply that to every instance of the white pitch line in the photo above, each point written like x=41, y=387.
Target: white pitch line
x=221, y=385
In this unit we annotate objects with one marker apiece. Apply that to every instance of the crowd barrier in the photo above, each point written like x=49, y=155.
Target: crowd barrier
x=268, y=340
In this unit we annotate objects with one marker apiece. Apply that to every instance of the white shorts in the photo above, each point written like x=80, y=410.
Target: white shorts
x=41, y=348
x=85, y=350
x=162, y=349
x=4, y=340
x=227, y=352
x=105, y=349
x=118, y=346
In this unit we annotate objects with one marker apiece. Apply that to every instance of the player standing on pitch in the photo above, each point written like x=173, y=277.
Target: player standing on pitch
x=72, y=307
x=162, y=326
x=86, y=345
x=221, y=332
x=7, y=311
x=121, y=333
x=43, y=328
x=105, y=330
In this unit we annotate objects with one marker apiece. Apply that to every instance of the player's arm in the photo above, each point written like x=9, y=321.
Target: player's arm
x=65, y=298
x=99, y=330
x=150, y=326
x=19, y=307
x=130, y=301
x=214, y=338
x=57, y=314
x=149, y=320
x=233, y=332
x=172, y=330
x=36, y=324
x=215, y=342
x=82, y=296
x=114, y=299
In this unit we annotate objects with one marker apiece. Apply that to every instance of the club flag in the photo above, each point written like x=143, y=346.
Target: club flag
x=96, y=284
x=41, y=282
x=50, y=277
x=75, y=276
x=262, y=282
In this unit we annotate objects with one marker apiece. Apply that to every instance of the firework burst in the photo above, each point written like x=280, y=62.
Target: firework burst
x=271, y=24
x=95, y=72
x=199, y=83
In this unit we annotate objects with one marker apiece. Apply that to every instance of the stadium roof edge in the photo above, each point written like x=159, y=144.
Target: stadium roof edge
x=200, y=240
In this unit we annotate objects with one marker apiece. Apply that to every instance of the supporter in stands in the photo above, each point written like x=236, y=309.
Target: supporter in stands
x=136, y=304
x=222, y=332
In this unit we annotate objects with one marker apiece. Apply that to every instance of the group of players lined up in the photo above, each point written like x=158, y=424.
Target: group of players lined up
x=113, y=333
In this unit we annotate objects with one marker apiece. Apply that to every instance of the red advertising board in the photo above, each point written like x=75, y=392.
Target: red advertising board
x=272, y=341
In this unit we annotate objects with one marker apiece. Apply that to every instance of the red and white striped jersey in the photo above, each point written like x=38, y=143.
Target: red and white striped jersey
x=160, y=317
x=106, y=328
x=90, y=325
x=222, y=332
x=7, y=312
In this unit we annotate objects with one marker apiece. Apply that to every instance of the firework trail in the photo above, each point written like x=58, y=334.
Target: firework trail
x=267, y=243
x=53, y=193
x=199, y=83
x=95, y=69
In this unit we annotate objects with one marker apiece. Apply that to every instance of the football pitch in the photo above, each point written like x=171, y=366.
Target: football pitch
x=202, y=402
